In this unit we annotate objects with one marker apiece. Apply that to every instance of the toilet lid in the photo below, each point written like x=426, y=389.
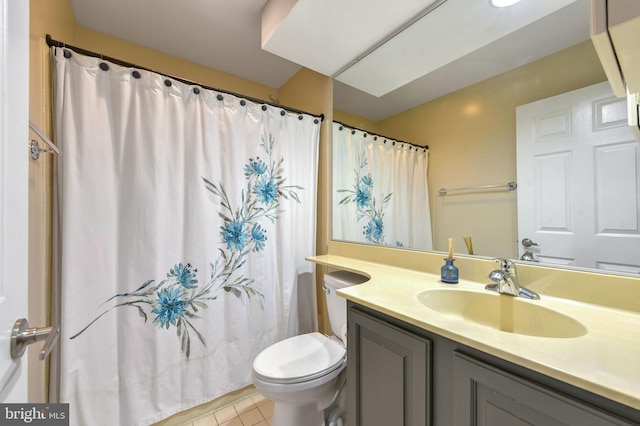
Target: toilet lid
x=299, y=358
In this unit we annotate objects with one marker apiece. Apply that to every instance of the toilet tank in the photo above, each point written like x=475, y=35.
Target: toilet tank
x=337, y=305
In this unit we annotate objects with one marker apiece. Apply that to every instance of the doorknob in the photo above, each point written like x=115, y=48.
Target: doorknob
x=22, y=335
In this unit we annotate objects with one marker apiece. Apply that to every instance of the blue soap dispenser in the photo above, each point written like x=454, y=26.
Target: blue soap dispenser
x=449, y=272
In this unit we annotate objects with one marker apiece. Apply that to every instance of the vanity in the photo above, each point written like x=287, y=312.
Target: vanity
x=422, y=352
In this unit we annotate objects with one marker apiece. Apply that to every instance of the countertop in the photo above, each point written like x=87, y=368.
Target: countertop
x=605, y=360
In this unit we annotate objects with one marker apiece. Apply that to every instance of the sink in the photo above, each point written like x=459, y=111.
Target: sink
x=502, y=312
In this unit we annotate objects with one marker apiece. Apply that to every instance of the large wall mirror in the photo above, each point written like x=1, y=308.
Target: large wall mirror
x=465, y=108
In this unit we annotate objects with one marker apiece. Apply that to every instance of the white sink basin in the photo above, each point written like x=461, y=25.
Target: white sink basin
x=502, y=312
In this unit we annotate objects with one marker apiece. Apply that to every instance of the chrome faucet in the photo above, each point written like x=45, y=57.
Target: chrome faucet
x=506, y=281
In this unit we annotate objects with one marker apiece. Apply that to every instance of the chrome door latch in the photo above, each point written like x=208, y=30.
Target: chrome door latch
x=22, y=335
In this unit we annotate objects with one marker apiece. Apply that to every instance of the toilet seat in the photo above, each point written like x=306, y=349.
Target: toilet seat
x=299, y=359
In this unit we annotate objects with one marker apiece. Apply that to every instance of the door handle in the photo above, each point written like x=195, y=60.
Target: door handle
x=526, y=242
x=22, y=335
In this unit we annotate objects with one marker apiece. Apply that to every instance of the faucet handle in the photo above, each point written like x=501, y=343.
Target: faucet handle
x=505, y=264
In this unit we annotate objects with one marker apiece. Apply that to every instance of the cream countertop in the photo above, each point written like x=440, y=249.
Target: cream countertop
x=605, y=360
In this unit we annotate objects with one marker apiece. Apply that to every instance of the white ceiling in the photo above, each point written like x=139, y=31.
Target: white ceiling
x=334, y=37
x=326, y=36
x=448, y=33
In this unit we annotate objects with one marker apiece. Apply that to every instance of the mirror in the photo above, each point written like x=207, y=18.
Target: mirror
x=471, y=132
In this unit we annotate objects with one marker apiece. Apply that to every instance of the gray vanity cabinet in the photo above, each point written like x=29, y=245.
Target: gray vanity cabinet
x=402, y=375
x=388, y=372
x=488, y=396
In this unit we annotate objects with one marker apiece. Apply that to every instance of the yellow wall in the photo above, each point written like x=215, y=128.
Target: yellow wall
x=46, y=16
x=471, y=136
x=166, y=64
x=306, y=91
x=356, y=121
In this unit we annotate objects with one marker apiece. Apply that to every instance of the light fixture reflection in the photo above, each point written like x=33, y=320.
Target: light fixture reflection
x=472, y=109
x=503, y=3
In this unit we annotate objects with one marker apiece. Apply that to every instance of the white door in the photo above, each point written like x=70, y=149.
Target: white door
x=14, y=157
x=579, y=180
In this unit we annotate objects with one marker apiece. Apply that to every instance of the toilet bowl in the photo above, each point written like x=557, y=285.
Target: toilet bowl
x=304, y=375
x=299, y=375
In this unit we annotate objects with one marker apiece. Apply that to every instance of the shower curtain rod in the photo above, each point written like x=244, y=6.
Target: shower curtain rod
x=56, y=43
x=425, y=147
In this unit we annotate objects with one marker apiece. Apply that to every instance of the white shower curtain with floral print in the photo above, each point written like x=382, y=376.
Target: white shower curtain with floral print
x=185, y=216
x=380, y=190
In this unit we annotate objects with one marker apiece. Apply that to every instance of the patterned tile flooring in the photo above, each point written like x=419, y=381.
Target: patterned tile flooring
x=254, y=410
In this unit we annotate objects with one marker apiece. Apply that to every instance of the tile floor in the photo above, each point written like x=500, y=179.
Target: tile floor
x=255, y=410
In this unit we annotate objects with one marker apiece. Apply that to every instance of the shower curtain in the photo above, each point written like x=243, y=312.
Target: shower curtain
x=380, y=190
x=185, y=216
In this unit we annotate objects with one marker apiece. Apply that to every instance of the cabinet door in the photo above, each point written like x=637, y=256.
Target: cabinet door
x=624, y=29
x=487, y=396
x=388, y=374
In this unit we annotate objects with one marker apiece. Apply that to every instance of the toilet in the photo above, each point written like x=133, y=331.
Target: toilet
x=303, y=375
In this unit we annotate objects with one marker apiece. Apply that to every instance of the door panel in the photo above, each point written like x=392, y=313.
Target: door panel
x=14, y=122
x=488, y=396
x=579, y=180
x=388, y=374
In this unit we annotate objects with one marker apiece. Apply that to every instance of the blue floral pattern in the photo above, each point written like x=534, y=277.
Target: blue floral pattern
x=176, y=301
x=169, y=307
x=367, y=207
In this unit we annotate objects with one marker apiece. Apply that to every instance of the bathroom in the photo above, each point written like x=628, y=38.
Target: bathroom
x=308, y=91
